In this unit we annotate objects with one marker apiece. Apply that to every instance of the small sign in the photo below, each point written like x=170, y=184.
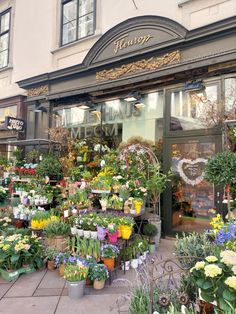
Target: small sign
x=15, y=124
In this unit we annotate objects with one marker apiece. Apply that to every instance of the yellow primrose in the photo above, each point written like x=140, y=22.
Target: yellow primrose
x=211, y=259
x=6, y=247
x=200, y=265
x=231, y=282
x=212, y=271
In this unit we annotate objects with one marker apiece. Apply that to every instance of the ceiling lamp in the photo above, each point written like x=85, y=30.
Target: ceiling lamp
x=139, y=105
x=133, y=96
x=83, y=107
x=40, y=109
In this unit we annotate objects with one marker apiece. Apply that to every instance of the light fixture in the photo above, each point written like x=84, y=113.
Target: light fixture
x=83, y=107
x=133, y=96
x=40, y=109
x=139, y=105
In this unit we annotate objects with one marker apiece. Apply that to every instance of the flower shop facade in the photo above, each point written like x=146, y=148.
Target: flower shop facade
x=149, y=77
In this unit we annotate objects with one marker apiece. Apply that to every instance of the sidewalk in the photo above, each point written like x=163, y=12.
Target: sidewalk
x=44, y=292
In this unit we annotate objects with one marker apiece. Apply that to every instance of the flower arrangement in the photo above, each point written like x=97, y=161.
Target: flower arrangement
x=75, y=272
x=99, y=272
x=17, y=249
x=216, y=278
x=3, y=194
x=109, y=251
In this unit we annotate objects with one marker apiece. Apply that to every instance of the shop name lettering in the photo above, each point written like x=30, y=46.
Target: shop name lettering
x=95, y=131
x=125, y=42
x=14, y=124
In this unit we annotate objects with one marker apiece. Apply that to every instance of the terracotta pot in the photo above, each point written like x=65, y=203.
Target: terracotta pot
x=98, y=284
x=110, y=263
x=50, y=265
x=113, y=237
x=61, y=269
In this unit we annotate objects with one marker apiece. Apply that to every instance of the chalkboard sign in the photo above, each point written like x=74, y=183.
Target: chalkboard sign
x=15, y=124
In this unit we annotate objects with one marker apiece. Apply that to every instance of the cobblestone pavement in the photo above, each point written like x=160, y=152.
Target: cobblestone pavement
x=45, y=292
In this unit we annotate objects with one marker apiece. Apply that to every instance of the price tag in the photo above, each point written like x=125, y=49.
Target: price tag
x=66, y=213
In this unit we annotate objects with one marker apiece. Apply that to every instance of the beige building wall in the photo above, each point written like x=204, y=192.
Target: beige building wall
x=35, y=31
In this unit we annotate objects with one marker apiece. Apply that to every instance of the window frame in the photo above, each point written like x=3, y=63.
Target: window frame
x=63, y=2
x=4, y=33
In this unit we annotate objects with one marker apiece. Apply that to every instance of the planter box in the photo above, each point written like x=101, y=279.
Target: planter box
x=12, y=275
x=60, y=243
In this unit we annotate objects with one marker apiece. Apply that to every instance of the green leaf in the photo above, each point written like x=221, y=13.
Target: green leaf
x=206, y=285
x=207, y=296
x=229, y=296
x=200, y=283
x=14, y=258
x=224, y=306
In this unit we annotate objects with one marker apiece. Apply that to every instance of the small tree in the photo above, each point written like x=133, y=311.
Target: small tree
x=221, y=170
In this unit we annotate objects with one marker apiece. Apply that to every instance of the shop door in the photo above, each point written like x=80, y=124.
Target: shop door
x=189, y=197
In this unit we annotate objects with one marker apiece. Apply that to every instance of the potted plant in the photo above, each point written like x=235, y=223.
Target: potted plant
x=104, y=201
x=126, y=227
x=50, y=166
x=150, y=231
x=134, y=261
x=3, y=195
x=93, y=228
x=108, y=253
x=86, y=227
x=102, y=228
x=50, y=255
x=75, y=275
x=91, y=262
x=99, y=275
x=60, y=262
x=112, y=233
x=56, y=234
x=126, y=256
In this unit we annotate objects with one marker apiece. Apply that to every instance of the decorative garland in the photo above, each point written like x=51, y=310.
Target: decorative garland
x=192, y=162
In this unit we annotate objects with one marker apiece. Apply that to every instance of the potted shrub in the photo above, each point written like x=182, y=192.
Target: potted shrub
x=126, y=256
x=75, y=275
x=108, y=254
x=112, y=233
x=56, y=234
x=50, y=255
x=99, y=275
x=91, y=262
x=50, y=166
x=150, y=231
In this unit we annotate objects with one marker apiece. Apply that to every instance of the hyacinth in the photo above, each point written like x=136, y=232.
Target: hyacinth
x=212, y=271
x=228, y=257
x=211, y=259
x=225, y=234
x=231, y=282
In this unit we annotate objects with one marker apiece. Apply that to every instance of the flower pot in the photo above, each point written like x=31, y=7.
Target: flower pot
x=98, y=284
x=137, y=207
x=61, y=269
x=101, y=233
x=125, y=265
x=140, y=260
x=75, y=289
x=152, y=248
x=73, y=230
x=94, y=235
x=134, y=263
x=19, y=223
x=50, y=265
x=87, y=234
x=80, y=232
x=88, y=282
x=126, y=232
x=9, y=275
x=113, y=237
x=110, y=263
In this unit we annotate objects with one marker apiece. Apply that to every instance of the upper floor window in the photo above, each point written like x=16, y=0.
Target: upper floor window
x=4, y=38
x=78, y=20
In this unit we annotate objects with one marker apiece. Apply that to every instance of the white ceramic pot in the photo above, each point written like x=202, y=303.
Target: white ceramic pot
x=73, y=230
x=125, y=265
x=80, y=232
x=140, y=260
x=87, y=234
x=134, y=263
x=145, y=254
x=94, y=235
x=143, y=257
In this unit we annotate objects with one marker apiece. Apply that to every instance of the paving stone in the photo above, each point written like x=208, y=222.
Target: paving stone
x=26, y=284
x=52, y=281
x=48, y=292
x=29, y=305
x=94, y=304
x=3, y=288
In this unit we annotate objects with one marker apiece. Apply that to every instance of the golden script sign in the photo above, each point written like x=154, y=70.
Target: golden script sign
x=125, y=42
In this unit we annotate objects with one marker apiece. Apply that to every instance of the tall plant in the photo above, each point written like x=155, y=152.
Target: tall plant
x=221, y=170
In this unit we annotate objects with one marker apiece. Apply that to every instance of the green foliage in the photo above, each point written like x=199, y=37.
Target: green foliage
x=50, y=253
x=85, y=247
x=49, y=166
x=99, y=272
x=126, y=253
x=140, y=301
x=75, y=173
x=150, y=230
x=221, y=168
x=3, y=161
x=75, y=273
x=194, y=245
x=33, y=156
x=57, y=228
